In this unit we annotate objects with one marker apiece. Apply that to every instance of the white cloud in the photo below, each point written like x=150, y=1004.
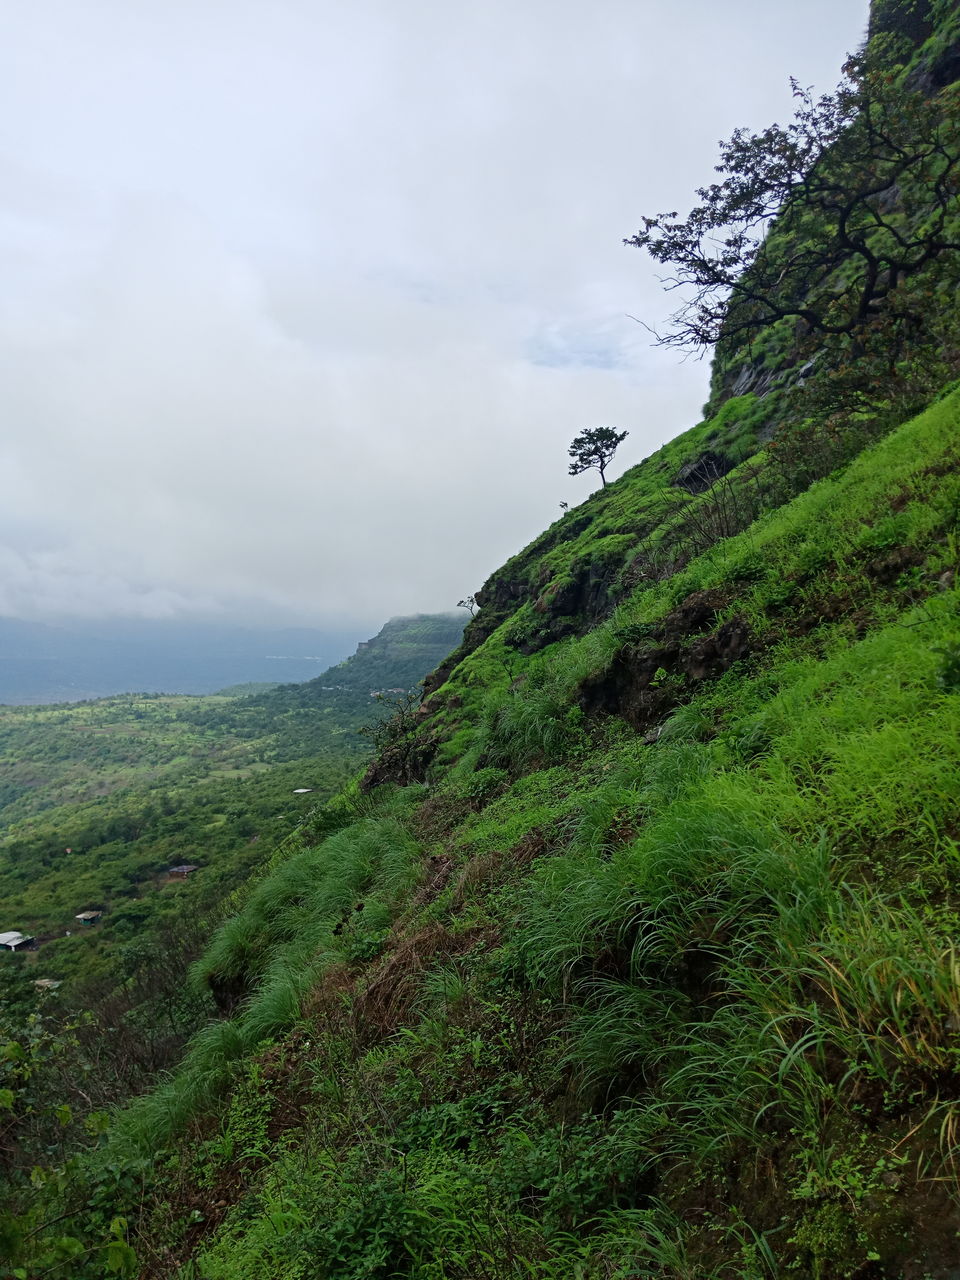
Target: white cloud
x=305, y=300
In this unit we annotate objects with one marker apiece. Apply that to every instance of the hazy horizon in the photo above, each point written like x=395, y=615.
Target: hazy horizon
x=80, y=659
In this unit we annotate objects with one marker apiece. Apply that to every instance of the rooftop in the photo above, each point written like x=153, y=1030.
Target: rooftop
x=13, y=939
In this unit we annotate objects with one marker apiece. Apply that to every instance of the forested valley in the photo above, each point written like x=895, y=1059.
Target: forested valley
x=145, y=814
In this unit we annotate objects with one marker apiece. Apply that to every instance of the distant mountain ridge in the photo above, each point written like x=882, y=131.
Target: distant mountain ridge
x=51, y=756
x=42, y=663
x=402, y=651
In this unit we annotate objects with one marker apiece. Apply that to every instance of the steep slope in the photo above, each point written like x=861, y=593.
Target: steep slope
x=634, y=953
x=915, y=45
x=101, y=800
x=654, y=973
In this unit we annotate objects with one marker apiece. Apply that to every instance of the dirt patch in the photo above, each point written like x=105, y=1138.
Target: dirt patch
x=495, y=867
x=438, y=816
x=386, y=999
x=327, y=1002
x=888, y=567
x=439, y=867
x=711, y=656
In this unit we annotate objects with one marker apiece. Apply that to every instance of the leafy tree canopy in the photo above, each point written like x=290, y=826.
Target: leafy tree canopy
x=594, y=448
x=820, y=220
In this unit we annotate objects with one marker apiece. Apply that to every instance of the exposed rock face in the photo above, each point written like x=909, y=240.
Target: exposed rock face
x=936, y=73
x=440, y=675
x=910, y=18
x=712, y=655
x=630, y=688
x=644, y=682
x=752, y=377
x=584, y=593
x=570, y=609
x=697, y=476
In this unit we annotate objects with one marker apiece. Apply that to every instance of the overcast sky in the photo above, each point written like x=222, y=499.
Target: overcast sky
x=303, y=300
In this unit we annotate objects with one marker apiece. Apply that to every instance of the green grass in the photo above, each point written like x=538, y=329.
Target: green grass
x=601, y=981
x=608, y=996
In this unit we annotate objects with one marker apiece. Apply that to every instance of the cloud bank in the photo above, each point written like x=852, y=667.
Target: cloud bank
x=306, y=300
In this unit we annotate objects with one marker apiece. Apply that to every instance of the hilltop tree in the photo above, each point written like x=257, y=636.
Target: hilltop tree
x=594, y=448
x=820, y=221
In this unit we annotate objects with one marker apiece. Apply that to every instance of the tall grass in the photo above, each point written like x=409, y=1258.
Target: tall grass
x=290, y=932
x=732, y=945
x=527, y=727
x=878, y=990
x=717, y=966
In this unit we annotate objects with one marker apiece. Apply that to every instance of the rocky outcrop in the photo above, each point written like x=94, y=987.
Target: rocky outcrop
x=937, y=71
x=648, y=678
x=912, y=19
x=698, y=475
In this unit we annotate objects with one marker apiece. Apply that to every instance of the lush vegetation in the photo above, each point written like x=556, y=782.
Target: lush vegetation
x=653, y=973
x=99, y=799
x=102, y=799
x=634, y=952
x=856, y=275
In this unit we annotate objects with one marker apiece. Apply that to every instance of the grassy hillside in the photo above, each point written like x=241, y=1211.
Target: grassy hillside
x=634, y=951
x=102, y=799
x=652, y=972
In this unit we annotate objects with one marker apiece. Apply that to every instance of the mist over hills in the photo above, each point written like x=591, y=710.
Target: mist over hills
x=74, y=661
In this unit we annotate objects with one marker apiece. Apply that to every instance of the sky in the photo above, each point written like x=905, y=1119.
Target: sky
x=304, y=300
